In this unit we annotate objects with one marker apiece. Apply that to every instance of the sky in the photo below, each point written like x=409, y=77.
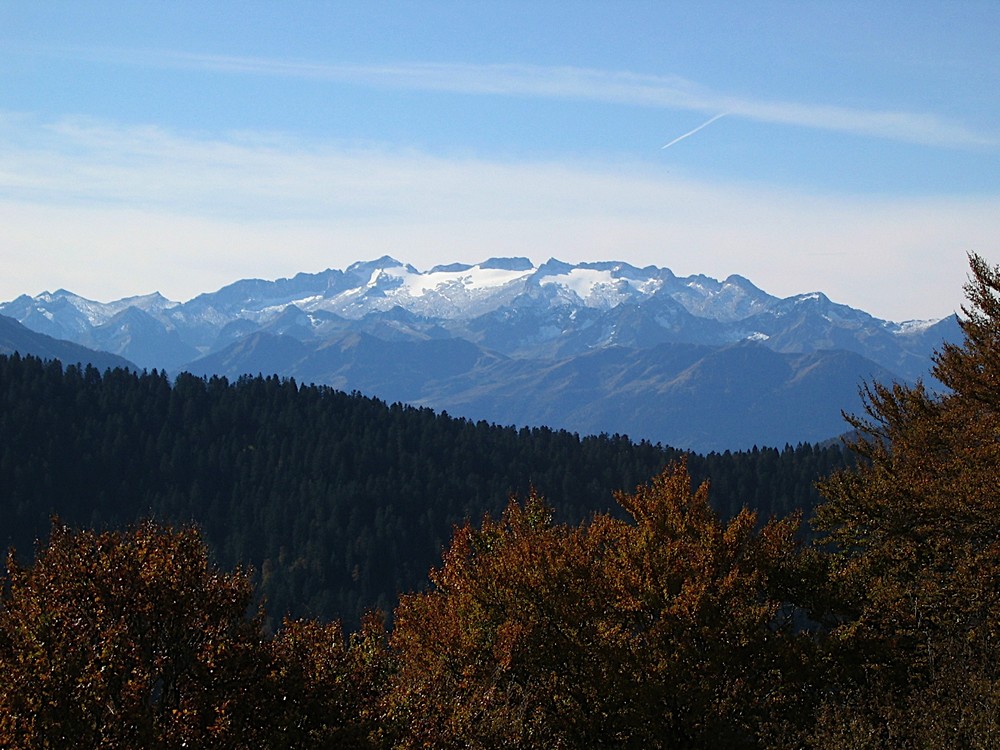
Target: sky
x=850, y=148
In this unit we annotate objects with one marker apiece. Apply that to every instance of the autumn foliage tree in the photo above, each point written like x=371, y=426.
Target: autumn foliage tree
x=660, y=631
x=135, y=640
x=916, y=529
x=126, y=640
x=324, y=687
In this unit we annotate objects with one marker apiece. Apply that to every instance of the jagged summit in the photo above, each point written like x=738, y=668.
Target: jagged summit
x=507, y=264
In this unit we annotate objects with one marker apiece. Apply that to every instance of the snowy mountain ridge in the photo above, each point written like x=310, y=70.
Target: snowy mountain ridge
x=453, y=291
x=462, y=291
x=506, y=304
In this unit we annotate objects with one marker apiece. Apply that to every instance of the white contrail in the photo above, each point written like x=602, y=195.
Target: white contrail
x=692, y=132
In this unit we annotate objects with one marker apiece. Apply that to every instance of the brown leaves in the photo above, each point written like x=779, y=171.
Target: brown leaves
x=541, y=635
x=917, y=535
x=325, y=689
x=114, y=640
x=133, y=639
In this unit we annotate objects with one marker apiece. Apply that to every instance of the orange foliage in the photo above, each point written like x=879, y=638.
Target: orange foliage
x=115, y=640
x=658, y=631
x=917, y=535
x=134, y=640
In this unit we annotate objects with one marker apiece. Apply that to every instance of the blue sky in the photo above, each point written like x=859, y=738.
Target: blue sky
x=852, y=148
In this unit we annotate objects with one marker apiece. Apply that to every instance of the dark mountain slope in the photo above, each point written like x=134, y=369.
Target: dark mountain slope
x=14, y=337
x=697, y=397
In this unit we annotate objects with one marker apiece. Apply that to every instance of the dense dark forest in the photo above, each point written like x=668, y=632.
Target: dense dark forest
x=339, y=502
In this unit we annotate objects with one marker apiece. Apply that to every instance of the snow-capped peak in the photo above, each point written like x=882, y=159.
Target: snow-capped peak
x=601, y=288
x=98, y=313
x=915, y=327
x=472, y=279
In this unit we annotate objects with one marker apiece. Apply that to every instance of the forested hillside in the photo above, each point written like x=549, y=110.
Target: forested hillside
x=338, y=501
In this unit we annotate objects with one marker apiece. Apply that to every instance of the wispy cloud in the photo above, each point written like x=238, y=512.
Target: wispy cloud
x=109, y=210
x=615, y=87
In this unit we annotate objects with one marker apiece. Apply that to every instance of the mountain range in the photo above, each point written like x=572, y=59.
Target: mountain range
x=692, y=362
